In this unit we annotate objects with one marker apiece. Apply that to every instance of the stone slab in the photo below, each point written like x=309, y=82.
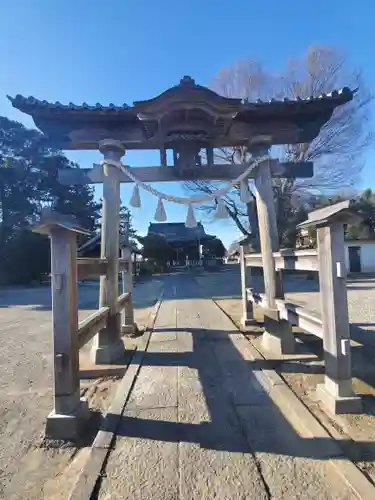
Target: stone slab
x=144, y=463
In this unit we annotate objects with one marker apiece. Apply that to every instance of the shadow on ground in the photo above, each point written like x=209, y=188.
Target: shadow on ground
x=238, y=404
x=265, y=427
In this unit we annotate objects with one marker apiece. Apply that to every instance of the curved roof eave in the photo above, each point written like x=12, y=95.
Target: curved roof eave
x=35, y=107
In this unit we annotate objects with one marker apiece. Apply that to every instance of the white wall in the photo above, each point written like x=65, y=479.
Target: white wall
x=367, y=253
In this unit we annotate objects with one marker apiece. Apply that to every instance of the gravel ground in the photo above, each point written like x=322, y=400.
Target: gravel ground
x=26, y=383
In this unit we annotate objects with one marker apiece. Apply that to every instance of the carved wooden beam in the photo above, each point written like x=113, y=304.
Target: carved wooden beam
x=221, y=172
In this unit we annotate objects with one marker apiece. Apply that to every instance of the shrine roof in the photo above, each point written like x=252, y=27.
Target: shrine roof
x=187, y=107
x=177, y=232
x=33, y=106
x=95, y=242
x=312, y=103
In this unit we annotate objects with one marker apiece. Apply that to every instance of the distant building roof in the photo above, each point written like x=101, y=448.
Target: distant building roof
x=177, y=232
x=94, y=242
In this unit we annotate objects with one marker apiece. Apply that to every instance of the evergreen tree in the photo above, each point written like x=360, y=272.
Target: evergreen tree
x=28, y=181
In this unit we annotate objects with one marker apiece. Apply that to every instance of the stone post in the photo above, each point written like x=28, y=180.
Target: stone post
x=128, y=324
x=65, y=420
x=107, y=344
x=336, y=393
x=247, y=306
x=278, y=336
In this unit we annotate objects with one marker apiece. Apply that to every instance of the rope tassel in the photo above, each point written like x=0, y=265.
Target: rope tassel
x=245, y=195
x=135, y=200
x=191, y=221
x=221, y=210
x=160, y=215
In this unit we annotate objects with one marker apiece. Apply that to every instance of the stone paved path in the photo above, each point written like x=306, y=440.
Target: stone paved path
x=200, y=424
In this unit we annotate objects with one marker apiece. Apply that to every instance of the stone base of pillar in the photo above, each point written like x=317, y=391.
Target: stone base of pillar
x=129, y=329
x=338, y=404
x=62, y=427
x=245, y=322
x=107, y=354
x=258, y=314
x=278, y=336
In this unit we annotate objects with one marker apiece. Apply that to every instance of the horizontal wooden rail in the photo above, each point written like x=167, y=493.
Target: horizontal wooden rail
x=300, y=260
x=300, y=316
x=295, y=314
x=89, y=267
x=90, y=326
x=122, y=300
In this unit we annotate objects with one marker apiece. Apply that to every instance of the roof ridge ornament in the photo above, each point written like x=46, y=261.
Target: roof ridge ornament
x=187, y=80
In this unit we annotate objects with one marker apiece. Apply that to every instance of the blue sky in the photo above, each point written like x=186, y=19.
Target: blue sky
x=125, y=50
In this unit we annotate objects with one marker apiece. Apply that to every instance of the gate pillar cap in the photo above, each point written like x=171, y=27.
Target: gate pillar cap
x=341, y=212
x=51, y=220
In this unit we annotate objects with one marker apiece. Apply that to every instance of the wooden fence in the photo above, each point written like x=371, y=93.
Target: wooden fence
x=332, y=325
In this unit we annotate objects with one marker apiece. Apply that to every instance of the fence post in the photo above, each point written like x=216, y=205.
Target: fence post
x=127, y=318
x=247, y=318
x=336, y=393
x=65, y=420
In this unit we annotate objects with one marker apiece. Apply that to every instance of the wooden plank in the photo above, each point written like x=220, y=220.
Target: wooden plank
x=91, y=267
x=122, y=301
x=299, y=260
x=90, y=326
x=301, y=317
x=94, y=267
x=291, y=312
x=224, y=172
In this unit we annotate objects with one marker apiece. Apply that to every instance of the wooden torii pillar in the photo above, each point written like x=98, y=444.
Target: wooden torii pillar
x=107, y=344
x=278, y=335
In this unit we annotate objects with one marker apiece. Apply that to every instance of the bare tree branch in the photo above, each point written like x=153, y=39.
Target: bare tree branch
x=338, y=150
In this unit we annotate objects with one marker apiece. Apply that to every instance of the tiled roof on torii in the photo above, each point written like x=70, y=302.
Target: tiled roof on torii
x=31, y=105
x=147, y=123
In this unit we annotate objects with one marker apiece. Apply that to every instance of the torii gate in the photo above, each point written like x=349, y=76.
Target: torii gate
x=186, y=119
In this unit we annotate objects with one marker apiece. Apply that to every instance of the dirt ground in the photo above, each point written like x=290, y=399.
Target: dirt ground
x=30, y=467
